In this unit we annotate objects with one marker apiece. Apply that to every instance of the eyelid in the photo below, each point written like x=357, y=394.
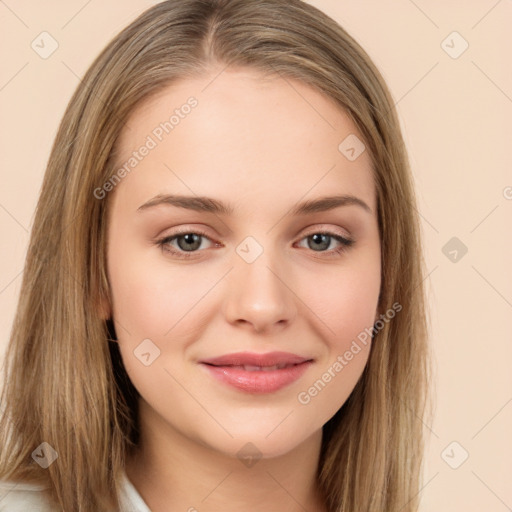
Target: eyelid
x=344, y=240
x=323, y=228
x=180, y=232
x=315, y=229
x=163, y=242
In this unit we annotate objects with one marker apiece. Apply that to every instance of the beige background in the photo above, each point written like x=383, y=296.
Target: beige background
x=455, y=114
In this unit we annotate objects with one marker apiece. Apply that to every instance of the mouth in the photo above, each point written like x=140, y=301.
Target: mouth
x=257, y=373
x=254, y=368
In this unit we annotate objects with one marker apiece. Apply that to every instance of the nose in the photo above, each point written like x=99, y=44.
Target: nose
x=260, y=295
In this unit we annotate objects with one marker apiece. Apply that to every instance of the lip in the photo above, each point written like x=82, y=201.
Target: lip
x=230, y=370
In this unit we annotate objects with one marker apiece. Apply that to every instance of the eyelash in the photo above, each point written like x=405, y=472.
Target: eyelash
x=163, y=243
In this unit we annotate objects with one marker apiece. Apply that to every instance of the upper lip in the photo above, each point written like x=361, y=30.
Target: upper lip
x=255, y=359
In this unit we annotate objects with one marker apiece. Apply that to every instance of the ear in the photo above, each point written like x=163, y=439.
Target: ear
x=104, y=309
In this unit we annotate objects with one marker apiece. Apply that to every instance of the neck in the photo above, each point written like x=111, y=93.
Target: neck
x=172, y=473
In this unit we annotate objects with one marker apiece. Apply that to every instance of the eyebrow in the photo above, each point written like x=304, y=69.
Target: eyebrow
x=210, y=205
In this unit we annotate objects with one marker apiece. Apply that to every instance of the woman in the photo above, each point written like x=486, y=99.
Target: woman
x=147, y=371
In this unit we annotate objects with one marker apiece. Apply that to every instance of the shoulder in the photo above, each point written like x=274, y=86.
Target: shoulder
x=131, y=500
x=23, y=497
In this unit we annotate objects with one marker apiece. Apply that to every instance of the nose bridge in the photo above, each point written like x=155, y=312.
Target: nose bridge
x=258, y=291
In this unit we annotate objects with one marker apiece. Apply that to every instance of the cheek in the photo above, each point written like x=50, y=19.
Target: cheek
x=151, y=298
x=346, y=351
x=164, y=304
x=343, y=300
x=154, y=299
x=352, y=309
x=344, y=303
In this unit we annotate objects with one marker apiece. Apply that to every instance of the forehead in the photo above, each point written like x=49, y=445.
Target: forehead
x=238, y=130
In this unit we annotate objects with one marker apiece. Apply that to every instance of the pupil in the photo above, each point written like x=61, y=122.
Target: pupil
x=318, y=239
x=190, y=239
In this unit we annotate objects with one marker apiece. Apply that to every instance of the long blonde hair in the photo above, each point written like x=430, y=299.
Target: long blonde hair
x=65, y=385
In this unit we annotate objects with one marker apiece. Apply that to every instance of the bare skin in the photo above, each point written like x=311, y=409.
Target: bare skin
x=262, y=147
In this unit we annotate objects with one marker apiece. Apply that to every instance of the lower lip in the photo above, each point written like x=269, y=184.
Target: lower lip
x=259, y=381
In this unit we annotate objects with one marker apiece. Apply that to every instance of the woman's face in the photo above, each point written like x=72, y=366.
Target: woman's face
x=213, y=251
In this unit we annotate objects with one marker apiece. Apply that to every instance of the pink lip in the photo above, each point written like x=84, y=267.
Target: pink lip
x=229, y=369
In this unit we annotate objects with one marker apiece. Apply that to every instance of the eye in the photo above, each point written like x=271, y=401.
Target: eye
x=188, y=243
x=319, y=241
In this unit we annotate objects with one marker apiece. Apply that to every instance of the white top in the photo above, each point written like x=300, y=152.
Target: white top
x=22, y=497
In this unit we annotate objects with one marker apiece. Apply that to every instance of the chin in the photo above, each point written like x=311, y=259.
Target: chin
x=260, y=445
